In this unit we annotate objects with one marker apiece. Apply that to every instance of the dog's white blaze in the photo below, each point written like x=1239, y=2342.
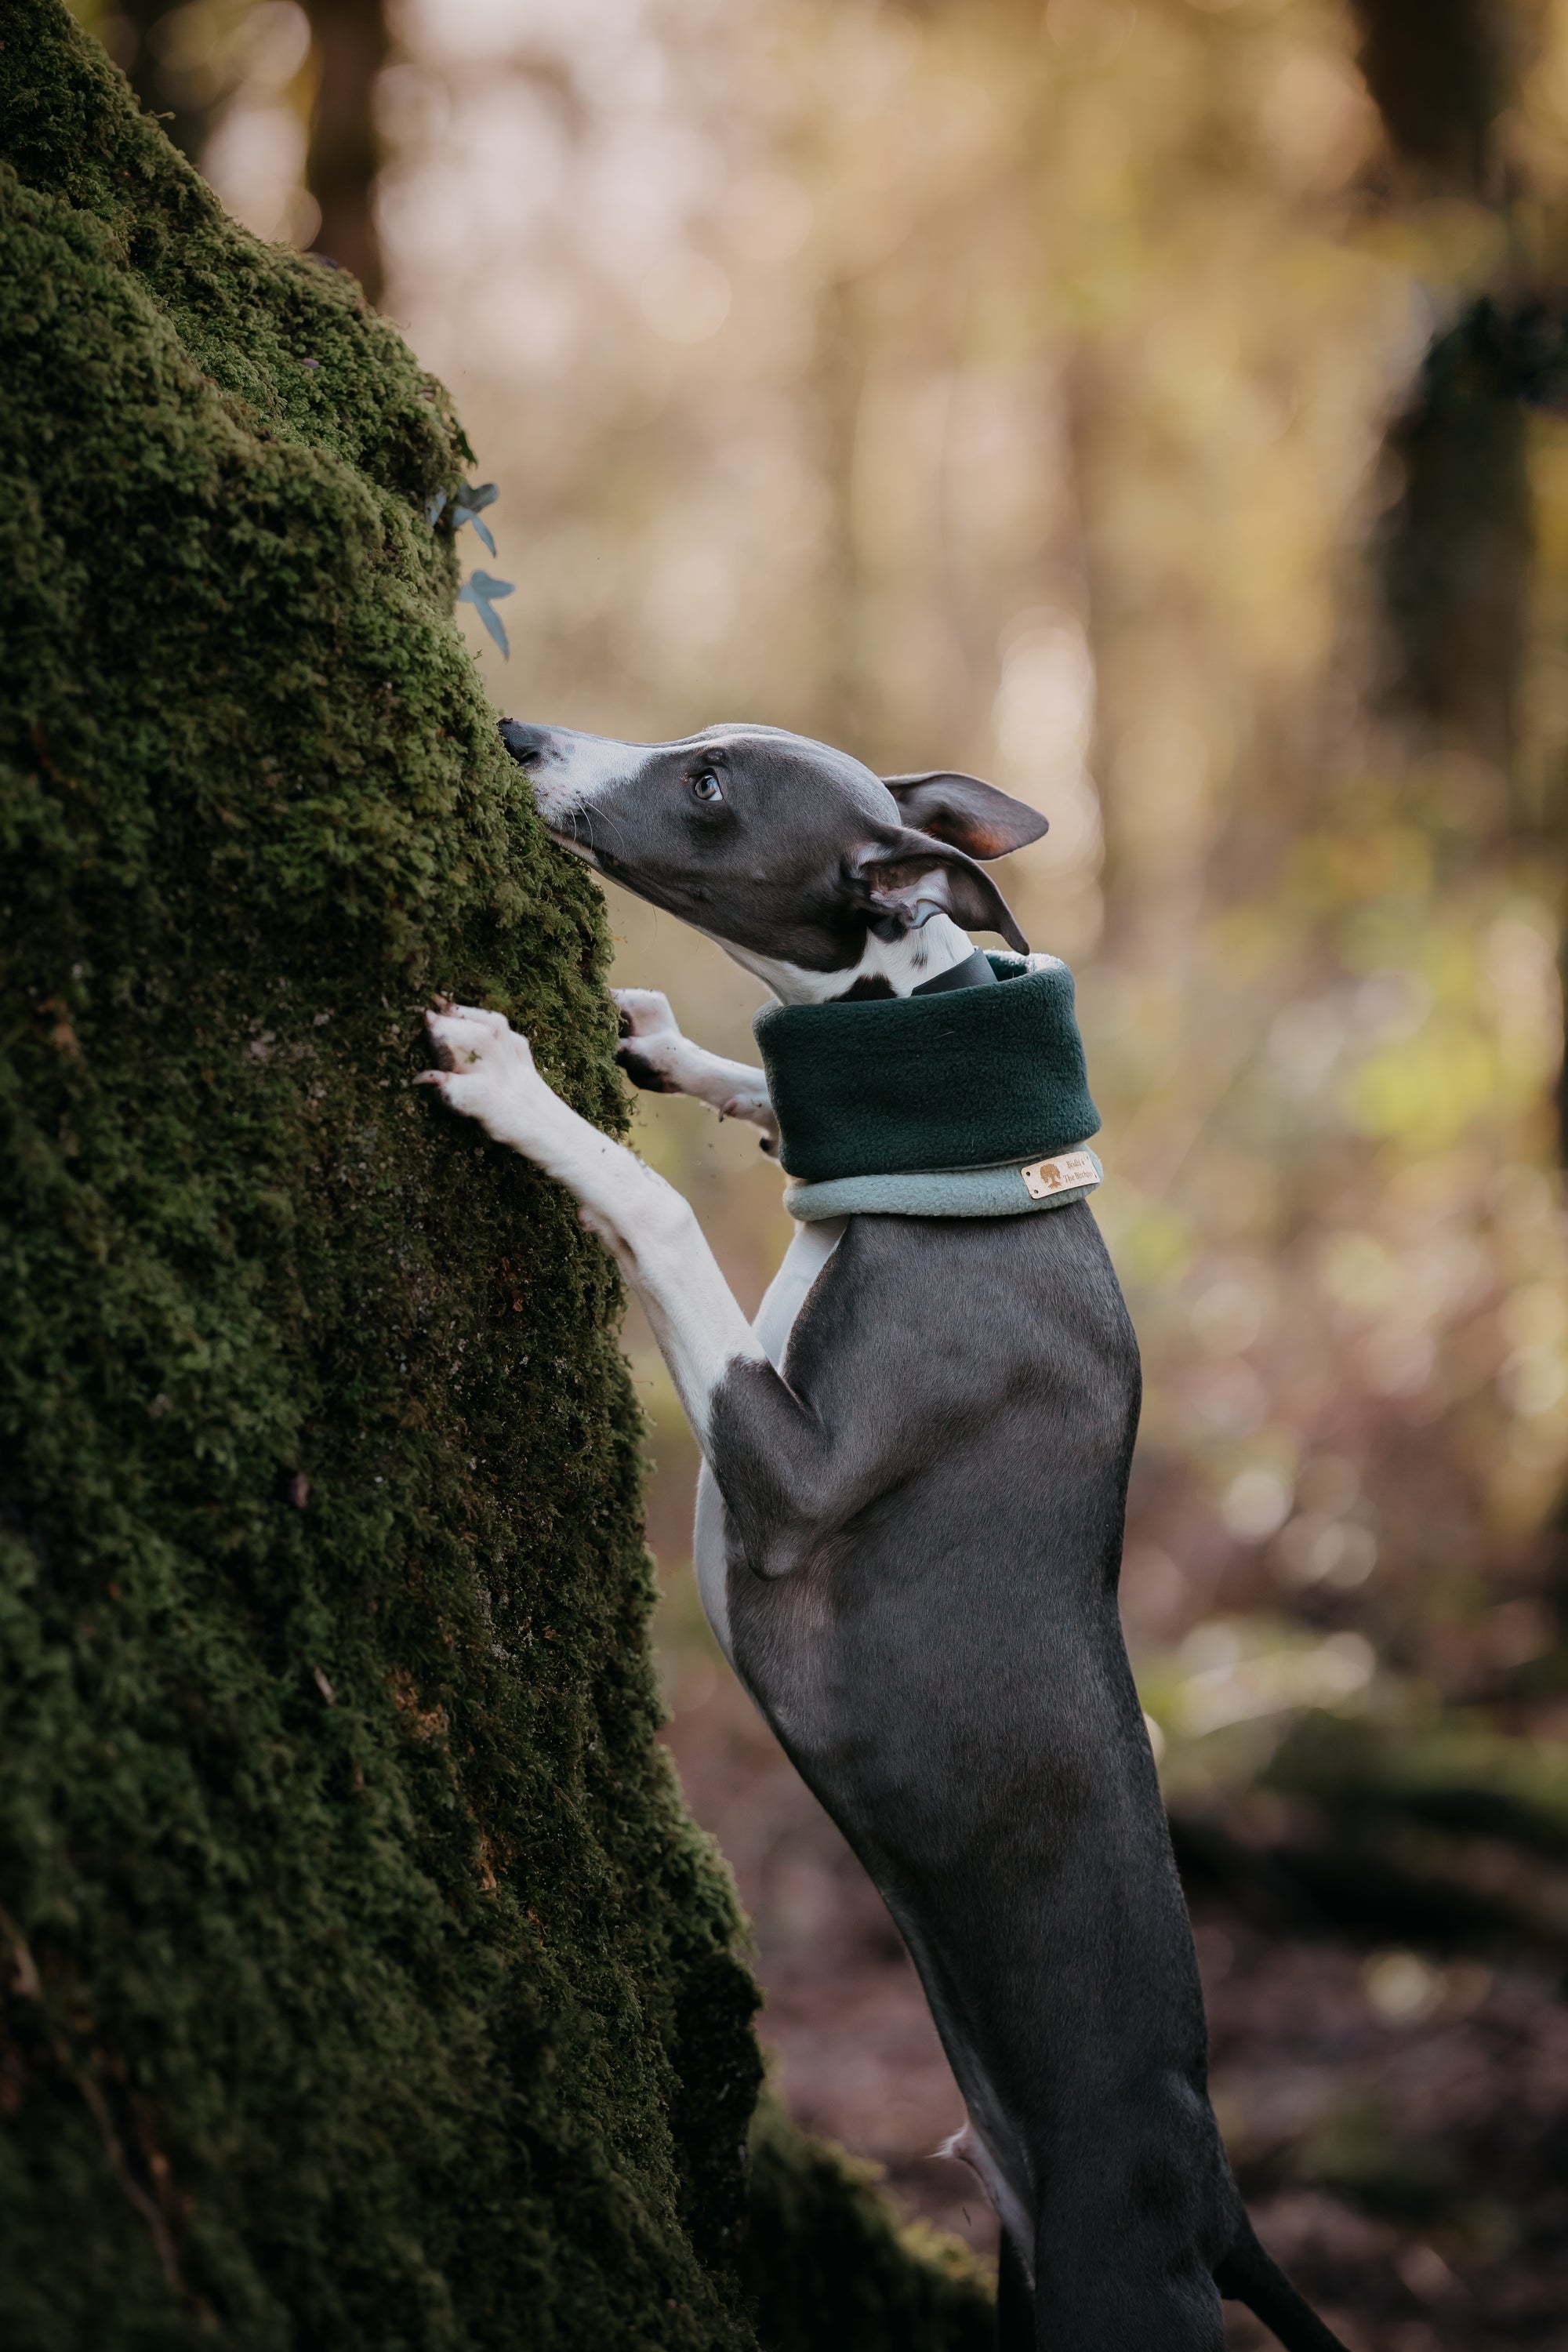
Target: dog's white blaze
x=786, y=1296
x=574, y=771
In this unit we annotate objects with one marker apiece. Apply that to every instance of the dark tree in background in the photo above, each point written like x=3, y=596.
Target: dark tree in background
x=1440, y=72
x=349, y=47
x=1455, y=546
x=144, y=37
x=188, y=82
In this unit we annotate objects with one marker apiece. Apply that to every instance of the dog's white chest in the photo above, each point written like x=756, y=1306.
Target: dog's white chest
x=804, y=1260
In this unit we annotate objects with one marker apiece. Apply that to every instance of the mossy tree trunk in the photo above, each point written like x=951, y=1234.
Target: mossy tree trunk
x=363, y=1981
x=366, y=1982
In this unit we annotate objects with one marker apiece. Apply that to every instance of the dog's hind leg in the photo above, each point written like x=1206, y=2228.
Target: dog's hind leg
x=1125, y=2247
x=1114, y=2265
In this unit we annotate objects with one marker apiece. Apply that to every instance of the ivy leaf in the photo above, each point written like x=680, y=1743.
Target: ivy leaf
x=482, y=592
x=466, y=508
x=468, y=501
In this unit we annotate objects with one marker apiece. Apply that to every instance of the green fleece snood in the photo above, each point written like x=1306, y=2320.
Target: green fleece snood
x=970, y=1081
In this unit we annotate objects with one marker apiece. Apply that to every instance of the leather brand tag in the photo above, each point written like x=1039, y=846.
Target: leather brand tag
x=1066, y=1174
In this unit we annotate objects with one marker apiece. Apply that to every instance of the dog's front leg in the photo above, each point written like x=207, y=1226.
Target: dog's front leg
x=656, y=1056
x=490, y=1076
x=788, y=1476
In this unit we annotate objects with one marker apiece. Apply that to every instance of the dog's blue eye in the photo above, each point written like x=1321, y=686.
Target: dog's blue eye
x=707, y=786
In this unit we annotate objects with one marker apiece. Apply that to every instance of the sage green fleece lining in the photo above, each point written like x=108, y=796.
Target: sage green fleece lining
x=979, y=1081
x=998, y=1191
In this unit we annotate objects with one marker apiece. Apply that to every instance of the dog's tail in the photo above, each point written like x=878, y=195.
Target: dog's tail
x=1249, y=2275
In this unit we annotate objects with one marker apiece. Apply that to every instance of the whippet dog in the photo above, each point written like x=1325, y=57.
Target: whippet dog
x=909, y=1521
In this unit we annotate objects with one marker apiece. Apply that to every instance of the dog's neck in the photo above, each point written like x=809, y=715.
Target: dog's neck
x=894, y=967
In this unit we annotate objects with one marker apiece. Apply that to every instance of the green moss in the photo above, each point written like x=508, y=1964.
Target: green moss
x=367, y=1984
x=364, y=1983
x=825, y=2265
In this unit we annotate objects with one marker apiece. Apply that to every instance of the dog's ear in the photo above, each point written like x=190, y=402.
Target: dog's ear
x=906, y=881
x=975, y=817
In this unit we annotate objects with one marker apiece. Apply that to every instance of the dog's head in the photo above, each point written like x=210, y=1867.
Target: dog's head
x=789, y=854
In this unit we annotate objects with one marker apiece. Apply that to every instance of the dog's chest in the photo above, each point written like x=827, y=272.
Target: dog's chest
x=804, y=1260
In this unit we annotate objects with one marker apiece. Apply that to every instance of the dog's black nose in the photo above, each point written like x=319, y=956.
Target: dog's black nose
x=525, y=743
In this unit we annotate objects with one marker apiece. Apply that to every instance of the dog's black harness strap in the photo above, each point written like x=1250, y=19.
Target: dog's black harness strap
x=975, y=972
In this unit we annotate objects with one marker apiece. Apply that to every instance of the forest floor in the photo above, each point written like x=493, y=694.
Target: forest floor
x=1399, y=2122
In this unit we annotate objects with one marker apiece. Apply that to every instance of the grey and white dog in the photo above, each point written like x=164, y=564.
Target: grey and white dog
x=910, y=1522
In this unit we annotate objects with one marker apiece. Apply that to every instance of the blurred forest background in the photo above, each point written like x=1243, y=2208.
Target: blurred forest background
x=1162, y=410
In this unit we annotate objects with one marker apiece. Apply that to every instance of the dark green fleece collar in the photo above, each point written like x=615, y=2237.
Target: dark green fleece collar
x=965, y=1078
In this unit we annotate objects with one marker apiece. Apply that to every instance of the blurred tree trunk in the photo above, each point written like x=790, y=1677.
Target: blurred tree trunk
x=1440, y=72
x=1455, y=551
x=349, y=48
x=188, y=88
x=145, y=46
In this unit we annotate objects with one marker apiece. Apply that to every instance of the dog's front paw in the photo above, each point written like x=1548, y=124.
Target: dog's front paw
x=489, y=1074
x=652, y=1042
